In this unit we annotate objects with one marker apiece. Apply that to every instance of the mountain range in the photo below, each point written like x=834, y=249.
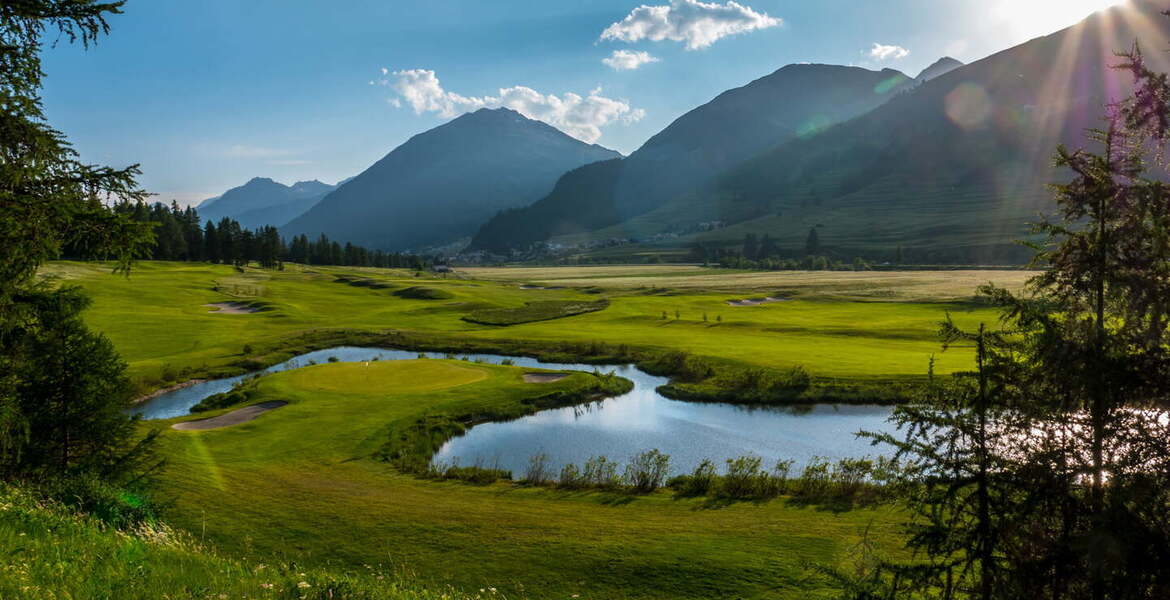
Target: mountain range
x=951, y=167
x=441, y=185
x=948, y=166
x=263, y=201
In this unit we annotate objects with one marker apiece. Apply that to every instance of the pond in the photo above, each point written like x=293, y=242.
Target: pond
x=616, y=427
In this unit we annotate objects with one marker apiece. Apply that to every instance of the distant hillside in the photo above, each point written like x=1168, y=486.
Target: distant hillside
x=795, y=101
x=954, y=170
x=441, y=185
x=263, y=201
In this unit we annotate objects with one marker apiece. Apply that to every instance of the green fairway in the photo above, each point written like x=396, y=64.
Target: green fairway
x=298, y=483
x=159, y=322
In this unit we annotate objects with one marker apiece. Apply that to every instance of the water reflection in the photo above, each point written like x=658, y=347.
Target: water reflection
x=616, y=427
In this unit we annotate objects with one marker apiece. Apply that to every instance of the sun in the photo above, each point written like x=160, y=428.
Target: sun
x=1032, y=18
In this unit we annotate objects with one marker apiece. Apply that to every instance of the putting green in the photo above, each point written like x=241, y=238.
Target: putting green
x=389, y=377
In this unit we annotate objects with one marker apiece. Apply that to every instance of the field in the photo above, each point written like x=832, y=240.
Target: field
x=298, y=484
x=846, y=326
x=301, y=484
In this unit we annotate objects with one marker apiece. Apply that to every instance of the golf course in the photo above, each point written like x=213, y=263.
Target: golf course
x=308, y=466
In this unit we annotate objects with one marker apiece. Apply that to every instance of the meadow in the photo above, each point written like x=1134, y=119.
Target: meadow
x=319, y=483
x=299, y=485
x=838, y=326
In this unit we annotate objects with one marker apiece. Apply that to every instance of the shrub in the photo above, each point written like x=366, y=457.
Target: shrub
x=247, y=348
x=701, y=481
x=647, y=471
x=507, y=362
x=815, y=478
x=570, y=478
x=601, y=472
x=333, y=359
x=742, y=477
x=538, y=472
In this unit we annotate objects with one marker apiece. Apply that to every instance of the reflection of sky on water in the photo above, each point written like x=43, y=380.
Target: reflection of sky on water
x=616, y=427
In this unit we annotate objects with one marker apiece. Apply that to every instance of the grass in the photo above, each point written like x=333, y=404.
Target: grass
x=158, y=321
x=53, y=552
x=299, y=484
x=531, y=312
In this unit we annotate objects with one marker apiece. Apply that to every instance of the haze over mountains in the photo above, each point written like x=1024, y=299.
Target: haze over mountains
x=441, y=185
x=949, y=166
x=263, y=201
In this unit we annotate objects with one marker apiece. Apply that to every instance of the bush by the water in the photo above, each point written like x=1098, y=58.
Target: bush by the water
x=545, y=310
x=243, y=392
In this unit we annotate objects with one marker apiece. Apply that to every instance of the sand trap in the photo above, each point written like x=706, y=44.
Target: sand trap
x=231, y=308
x=541, y=287
x=544, y=377
x=755, y=301
x=235, y=417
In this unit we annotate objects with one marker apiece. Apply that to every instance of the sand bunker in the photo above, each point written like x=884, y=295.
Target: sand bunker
x=235, y=417
x=544, y=377
x=541, y=287
x=232, y=308
x=756, y=301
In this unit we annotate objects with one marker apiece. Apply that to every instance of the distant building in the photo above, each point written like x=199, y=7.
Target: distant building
x=440, y=269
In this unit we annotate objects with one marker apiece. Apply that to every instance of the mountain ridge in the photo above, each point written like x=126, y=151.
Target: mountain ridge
x=441, y=184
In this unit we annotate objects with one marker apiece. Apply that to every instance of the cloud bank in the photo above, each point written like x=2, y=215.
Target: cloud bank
x=625, y=60
x=579, y=116
x=884, y=52
x=698, y=24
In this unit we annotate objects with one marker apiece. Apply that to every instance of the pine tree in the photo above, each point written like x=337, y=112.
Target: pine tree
x=812, y=244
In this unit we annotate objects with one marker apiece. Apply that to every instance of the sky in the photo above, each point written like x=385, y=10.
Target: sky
x=207, y=95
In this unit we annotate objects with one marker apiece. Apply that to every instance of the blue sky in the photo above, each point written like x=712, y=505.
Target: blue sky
x=206, y=95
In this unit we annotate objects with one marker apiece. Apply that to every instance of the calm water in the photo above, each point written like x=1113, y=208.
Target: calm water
x=617, y=427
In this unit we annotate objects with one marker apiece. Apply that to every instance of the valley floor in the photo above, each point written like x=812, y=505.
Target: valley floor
x=299, y=484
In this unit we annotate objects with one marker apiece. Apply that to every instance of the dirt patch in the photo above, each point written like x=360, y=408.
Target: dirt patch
x=232, y=308
x=544, y=377
x=755, y=301
x=168, y=389
x=235, y=417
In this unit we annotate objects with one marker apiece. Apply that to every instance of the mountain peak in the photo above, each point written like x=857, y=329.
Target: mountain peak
x=940, y=67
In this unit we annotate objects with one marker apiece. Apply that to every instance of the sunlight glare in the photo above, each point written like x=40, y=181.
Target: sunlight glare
x=1033, y=18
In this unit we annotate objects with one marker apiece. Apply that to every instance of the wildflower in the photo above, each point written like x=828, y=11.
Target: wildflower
x=266, y=586
x=303, y=585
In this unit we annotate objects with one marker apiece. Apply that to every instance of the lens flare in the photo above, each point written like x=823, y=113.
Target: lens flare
x=968, y=106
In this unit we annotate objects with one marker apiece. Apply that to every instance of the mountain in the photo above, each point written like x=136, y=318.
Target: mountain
x=941, y=67
x=442, y=184
x=263, y=201
x=954, y=170
x=794, y=102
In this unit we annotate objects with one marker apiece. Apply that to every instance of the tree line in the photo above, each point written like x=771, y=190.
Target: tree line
x=180, y=235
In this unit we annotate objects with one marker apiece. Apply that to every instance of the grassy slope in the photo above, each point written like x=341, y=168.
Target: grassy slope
x=51, y=552
x=294, y=483
x=157, y=318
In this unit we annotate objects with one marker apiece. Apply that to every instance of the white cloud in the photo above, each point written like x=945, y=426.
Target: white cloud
x=884, y=52
x=579, y=116
x=699, y=24
x=625, y=60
